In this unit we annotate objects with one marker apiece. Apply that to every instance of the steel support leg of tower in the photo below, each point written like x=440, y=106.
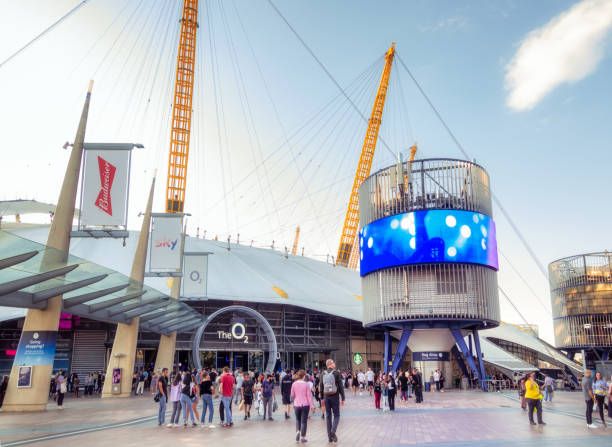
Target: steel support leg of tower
x=388, y=351
x=464, y=370
x=605, y=356
x=470, y=345
x=483, y=382
x=401, y=349
x=465, y=351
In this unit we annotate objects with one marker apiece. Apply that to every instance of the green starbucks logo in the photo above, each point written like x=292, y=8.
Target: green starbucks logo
x=357, y=359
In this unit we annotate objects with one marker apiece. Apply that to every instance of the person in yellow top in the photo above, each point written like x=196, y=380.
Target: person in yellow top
x=533, y=398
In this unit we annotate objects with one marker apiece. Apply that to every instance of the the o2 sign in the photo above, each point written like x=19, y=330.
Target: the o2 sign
x=238, y=331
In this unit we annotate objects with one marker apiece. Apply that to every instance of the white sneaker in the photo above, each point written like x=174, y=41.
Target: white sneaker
x=591, y=425
x=170, y=425
x=211, y=426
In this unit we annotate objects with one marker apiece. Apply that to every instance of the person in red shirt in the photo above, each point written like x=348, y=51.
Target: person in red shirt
x=227, y=392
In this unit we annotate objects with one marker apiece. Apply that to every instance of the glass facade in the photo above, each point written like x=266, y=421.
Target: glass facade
x=581, y=295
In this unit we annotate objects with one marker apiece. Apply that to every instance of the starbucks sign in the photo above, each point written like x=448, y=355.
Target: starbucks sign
x=357, y=359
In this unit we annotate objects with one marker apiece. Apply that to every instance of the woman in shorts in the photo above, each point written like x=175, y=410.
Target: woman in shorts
x=355, y=384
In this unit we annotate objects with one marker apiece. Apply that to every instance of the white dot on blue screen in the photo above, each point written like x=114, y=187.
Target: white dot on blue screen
x=451, y=221
x=484, y=244
x=483, y=230
x=361, y=256
x=412, y=243
x=370, y=242
x=394, y=224
x=361, y=242
x=475, y=218
x=465, y=231
x=452, y=251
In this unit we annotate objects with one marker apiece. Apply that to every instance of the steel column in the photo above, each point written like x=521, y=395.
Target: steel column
x=401, y=349
x=483, y=382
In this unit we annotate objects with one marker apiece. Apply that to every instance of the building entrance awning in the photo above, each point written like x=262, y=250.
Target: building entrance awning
x=32, y=273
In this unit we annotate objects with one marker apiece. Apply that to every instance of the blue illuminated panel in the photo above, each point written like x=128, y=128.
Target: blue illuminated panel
x=428, y=236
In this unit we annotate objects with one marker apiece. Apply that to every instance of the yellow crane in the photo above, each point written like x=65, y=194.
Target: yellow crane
x=181, y=109
x=351, y=221
x=295, y=241
x=355, y=253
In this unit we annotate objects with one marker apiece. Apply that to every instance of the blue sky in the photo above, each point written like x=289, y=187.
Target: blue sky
x=545, y=142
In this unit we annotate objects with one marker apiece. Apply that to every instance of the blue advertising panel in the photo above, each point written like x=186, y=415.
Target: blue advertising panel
x=428, y=236
x=431, y=356
x=36, y=348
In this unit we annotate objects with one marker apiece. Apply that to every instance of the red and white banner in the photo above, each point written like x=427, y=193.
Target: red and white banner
x=105, y=188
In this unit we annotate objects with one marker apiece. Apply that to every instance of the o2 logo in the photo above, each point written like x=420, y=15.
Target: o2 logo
x=238, y=332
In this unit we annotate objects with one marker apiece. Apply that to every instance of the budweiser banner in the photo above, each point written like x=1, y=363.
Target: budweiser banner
x=195, y=276
x=105, y=188
x=166, y=243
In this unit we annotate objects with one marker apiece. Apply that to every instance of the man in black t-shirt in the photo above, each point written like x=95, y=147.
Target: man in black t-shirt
x=247, y=395
x=285, y=386
x=162, y=386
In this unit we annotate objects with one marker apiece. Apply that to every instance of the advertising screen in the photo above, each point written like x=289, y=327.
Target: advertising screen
x=428, y=236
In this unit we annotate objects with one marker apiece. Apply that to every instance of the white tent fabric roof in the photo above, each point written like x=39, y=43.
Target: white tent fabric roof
x=240, y=274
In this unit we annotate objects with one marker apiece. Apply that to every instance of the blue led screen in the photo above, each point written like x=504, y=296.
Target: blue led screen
x=428, y=236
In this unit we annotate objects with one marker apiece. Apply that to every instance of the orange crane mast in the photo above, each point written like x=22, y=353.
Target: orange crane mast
x=355, y=253
x=351, y=221
x=295, y=241
x=181, y=109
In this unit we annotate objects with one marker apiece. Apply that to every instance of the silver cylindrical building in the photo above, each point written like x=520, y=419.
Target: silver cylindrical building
x=428, y=251
x=581, y=295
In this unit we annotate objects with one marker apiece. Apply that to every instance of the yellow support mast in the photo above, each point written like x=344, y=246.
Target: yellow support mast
x=295, y=241
x=181, y=109
x=351, y=221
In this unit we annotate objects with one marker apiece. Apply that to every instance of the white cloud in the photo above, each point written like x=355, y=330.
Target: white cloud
x=566, y=49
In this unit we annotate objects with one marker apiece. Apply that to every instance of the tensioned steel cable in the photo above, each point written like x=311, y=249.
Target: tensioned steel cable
x=465, y=154
x=327, y=72
x=45, y=31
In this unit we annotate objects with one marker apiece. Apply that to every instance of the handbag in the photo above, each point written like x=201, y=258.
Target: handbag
x=241, y=406
x=63, y=387
x=157, y=397
x=274, y=406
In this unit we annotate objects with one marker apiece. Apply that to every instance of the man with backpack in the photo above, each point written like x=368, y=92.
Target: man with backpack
x=331, y=388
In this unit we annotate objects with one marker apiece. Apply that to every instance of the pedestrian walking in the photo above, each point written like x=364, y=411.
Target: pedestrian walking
x=302, y=403
x=403, y=386
x=533, y=398
x=140, y=380
x=286, y=386
x=175, y=398
x=377, y=393
x=247, y=395
x=162, y=386
x=186, y=395
x=75, y=384
x=227, y=392
x=600, y=389
x=207, y=391
x=61, y=388
x=385, y=394
x=331, y=388
x=392, y=391
x=521, y=392
x=548, y=388
x=268, y=394
x=417, y=379
x=587, y=391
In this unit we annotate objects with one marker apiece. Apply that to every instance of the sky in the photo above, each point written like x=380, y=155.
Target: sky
x=523, y=85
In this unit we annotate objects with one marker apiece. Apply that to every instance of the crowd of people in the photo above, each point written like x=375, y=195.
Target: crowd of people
x=595, y=391
x=253, y=392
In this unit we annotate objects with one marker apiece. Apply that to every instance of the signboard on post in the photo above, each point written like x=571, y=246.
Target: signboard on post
x=196, y=275
x=105, y=189
x=166, y=245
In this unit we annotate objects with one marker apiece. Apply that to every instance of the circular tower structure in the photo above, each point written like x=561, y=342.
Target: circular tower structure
x=581, y=295
x=428, y=261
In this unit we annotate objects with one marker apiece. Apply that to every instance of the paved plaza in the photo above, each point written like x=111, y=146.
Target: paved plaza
x=444, y=419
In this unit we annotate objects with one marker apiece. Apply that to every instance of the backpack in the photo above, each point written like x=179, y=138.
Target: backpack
x=329, y=384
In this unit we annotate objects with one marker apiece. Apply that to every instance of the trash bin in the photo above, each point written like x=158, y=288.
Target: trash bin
x=427, y=386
